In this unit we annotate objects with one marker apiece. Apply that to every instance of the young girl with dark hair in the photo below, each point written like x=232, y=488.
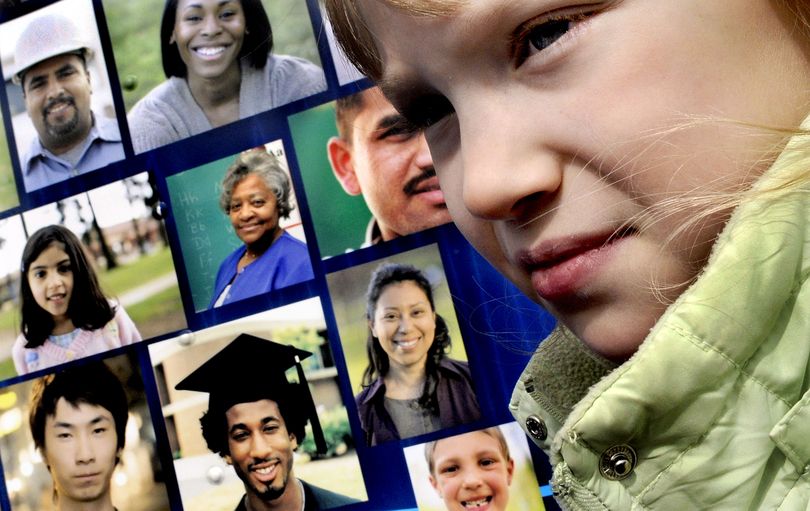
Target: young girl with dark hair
x=65, y=315
x=410, y=387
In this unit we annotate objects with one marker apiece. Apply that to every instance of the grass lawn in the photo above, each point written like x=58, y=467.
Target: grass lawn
x=158, y=314
x=8, y=193
x=126, y=277
x=7, y=369
x=10, y=319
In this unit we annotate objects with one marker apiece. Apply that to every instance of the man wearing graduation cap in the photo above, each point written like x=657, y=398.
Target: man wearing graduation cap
x=256, y=419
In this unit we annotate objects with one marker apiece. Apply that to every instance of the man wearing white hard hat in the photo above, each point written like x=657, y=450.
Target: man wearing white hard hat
x=51, y=59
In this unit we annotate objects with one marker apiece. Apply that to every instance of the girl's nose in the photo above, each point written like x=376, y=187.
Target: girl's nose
x=55, y=281
x=506, y=168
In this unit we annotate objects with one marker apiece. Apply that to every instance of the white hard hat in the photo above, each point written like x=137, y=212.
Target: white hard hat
x=47, y=36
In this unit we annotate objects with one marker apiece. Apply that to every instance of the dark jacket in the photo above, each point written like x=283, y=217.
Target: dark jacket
x=315, y=499
x=457, y=403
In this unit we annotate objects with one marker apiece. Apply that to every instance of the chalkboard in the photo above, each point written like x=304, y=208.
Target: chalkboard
x=205, y=231
x=339, y=219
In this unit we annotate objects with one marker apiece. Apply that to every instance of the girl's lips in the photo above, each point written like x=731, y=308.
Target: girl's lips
x=560, y=268
x=57, y=298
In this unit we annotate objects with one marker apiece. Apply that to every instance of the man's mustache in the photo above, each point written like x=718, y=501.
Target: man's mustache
x=411, y=187
x=62, y=98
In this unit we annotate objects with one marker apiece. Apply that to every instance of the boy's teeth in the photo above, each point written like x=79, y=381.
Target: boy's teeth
x=475, y=503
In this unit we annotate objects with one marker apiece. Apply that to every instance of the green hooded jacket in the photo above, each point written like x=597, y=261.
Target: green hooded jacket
x=713, y=410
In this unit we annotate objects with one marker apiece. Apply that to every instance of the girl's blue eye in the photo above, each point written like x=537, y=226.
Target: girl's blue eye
x=544, y=35
x=538, y=35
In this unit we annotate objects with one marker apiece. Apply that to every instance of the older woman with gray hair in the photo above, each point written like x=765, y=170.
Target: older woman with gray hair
x=255, y=194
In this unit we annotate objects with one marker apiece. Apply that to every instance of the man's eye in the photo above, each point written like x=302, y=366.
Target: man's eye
x=68, y=72
x=401, y=131
x=238, y=437
x=99, y=431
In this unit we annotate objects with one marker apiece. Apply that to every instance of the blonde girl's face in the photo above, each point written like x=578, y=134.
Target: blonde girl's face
x=555, y=126
x=50, y=277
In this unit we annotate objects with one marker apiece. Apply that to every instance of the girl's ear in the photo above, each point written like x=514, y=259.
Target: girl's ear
x=228, y=459
x=172, y=40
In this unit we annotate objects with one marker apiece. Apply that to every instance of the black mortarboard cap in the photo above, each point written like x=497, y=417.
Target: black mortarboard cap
x=251, y=369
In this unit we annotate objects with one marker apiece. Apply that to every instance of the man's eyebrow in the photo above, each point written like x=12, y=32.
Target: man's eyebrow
x=270, y=418
x=92, y=422
x=99, y=419
x=237, y=426
x=243, y=426
x=66, y=67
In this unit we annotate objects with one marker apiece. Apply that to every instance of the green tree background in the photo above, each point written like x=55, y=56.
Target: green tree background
x=135, y=34
x=8, y=190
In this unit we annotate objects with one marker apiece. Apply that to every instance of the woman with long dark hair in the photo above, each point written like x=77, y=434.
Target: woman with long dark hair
x=219, y=66
x=410, y=386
